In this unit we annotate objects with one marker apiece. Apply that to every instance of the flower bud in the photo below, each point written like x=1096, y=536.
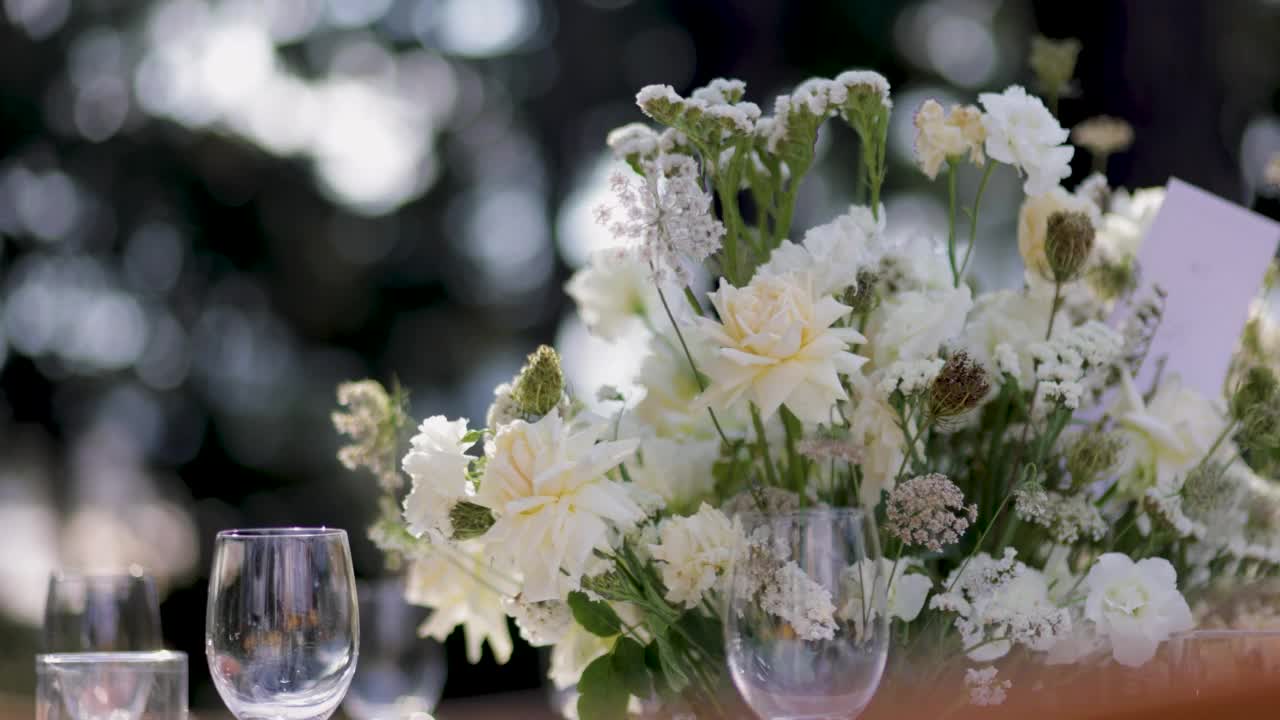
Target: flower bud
x=959, y=387
x=1054, y=63
x=1068, y=242
x=470, y=520
x=862, y=297
x=539, y=387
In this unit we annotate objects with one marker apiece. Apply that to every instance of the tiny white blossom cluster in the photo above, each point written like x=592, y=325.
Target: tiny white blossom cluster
x=1063, y=364
x=908, y=376
x=1067, y=518
x=984, y=688
x=666, y=217
x=800, y=600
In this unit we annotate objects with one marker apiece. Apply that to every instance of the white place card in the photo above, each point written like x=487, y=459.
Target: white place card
x=1210, y=256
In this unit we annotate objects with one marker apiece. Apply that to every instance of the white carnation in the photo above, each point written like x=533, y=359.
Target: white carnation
x=1136, y=606
x=1022, y=132
x=437, y=463
x=915, y=324
x=451, y=581
x=1012, y=320
x=614, y=292
x=694, y=554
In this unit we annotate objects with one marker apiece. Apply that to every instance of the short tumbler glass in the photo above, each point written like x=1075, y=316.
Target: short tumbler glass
x=111, y=686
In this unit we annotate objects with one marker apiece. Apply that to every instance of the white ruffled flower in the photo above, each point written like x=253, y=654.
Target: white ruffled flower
x=1170, y=433
x=984, y=689
x=694, y=554
x=775, y=343
x=1022, y=132
x=614, y=293
x=833, y=253
x=437, y=462
x=540, y=623
x=904, y=598
x=941, y=135
x=915, y=324
x=1136, y=606
x=670, y=387
x=1014, y=320
x=451, y=581
x=545, y=482
x=678, y=470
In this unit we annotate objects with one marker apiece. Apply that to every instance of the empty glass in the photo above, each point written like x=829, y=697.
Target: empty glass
x=282, y=629
x=111, y=686
x=108, y=612
x=400, y=674
x=806, y=633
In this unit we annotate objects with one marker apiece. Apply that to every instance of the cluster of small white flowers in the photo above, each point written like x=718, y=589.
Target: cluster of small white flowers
x=908, y=376
x=540, y=623
x=503, y=409
x=667, y=217
x=805, y=604
x=984, y=689
x=929, y=511
x=1007, y=361
x=1023, y=133
x=818, y=97
x=1063, y=364
x=714, y=100
x=1001, y=602
x=632, y=139
x=694, y=554
x=855, y=81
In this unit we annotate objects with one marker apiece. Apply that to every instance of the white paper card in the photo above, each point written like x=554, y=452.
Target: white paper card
x=1210, y=255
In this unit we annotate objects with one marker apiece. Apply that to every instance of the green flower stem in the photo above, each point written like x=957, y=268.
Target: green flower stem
x=973, y=216
x=978, y=545
x=763, y=444
x=697, y=376
x=782, y=225
x=951, y=222
x=692, y=299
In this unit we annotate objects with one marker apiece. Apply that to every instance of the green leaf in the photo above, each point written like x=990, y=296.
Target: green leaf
x=602, y=694
x=594, y=616
x=673, y=665
x=629, y=664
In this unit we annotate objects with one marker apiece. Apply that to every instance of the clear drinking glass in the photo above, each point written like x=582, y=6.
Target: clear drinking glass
x=111, y=686
x=806, y=634
x=108, y=613
x=282, y=629
x=400, y=674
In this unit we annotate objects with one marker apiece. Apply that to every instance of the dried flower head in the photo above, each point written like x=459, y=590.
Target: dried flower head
x=1054, y=63
x=862, y=297
x=958, y=388
x=1273, y=171
x=1067, y=244
x=1093, y=453
x=1209, y=492
x=539, y=387
x=373, y=420
x=1103, y=135
x=929, y=511
x=984, y=688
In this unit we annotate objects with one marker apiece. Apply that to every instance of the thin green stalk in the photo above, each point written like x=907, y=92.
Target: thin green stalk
x=763, y=444
x=951, y=222
x=973, y=217
x=978, y=545
x=697, y=376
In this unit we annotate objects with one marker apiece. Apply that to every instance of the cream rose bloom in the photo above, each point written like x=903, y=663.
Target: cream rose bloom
x=614, y=292
x=450, y=581
x=437, y=464
x=1033, y=224
x=693, y=554
x=1136, y=606
x=546, y=485
x=774, y=344
x=941, y=135
x=1023, y=133
x=915, y=324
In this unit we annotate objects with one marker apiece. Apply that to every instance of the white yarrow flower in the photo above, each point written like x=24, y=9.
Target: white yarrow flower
x=437, y=462
x=1022, y=132
x=1136, y=606
x=694, y=554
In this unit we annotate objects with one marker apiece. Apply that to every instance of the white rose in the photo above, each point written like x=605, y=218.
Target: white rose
x=1127, y=221
x=437, y=464
x=1022, y=132
x=1136, y=606
x=614, y=291
x=545, y=482
x=915, y=324
x=775, y=345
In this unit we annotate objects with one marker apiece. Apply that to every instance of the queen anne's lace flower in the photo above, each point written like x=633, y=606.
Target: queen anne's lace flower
x=804, y=603
x=451, y=580
x=929, y=511
x=1022, y=132
x=1136, y=606
x=775, y=343
x=908, y=376
x=694, y=554
x=667, y=217
x=437, y=461
x=546, y=484
x=984, y=689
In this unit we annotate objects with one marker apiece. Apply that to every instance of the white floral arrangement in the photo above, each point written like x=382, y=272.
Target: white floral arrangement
x=1033, y=501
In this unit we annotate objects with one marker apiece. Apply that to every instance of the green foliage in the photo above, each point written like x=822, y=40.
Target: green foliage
x=602, y=691
x=594, y=616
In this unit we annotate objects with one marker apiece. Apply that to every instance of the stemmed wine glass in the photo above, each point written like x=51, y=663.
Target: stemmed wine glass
x=806, y=632
x=102, y=613
x=282, y=629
